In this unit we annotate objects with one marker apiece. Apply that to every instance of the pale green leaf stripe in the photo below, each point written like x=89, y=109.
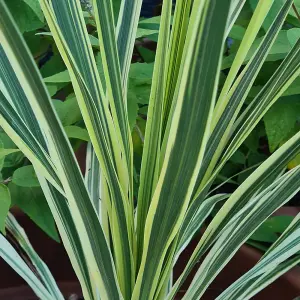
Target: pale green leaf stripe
x=126, y=32
x=237, y=96
x=11, y=122
x=10, y=255
x=256, y=21
x=166, y=273
x=236, y=232
x=19, y=235
x=286, y=246
x=5, y=152
x=187, y=140
x=98, y=189
x=98, y=121
x=274, y=88
x=118, y=105
x=96, y=249
x=77, y=54
x=283, y=77
x=61, y=212
x=72, y=40
x=22, y=105
x=150, y=162
x=93, y=178
x=193, y=222
x=13, y=90
x=235, y=9
x=18, y=110
x=263, y=174
x=265, y=280
x=110, y=62
x=175, y=53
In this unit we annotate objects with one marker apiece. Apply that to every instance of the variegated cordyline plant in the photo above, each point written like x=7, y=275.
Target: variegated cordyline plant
x=126, y=248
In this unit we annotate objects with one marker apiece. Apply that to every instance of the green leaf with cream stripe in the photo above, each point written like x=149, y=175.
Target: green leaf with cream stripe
x=98, y=120
x=10, y=255
x=150, y=162
x=227, y=112
x=121, y=248
x=20, y=237
x=272, y=263
x=98, y=256
x=188, y=133
x=259, y=179
x=240, y=227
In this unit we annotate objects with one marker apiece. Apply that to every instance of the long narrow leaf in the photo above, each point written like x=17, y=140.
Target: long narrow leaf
x=97, y=253
x=10, y=255
x=189, y=132
x=19, y=235
x=151, y=153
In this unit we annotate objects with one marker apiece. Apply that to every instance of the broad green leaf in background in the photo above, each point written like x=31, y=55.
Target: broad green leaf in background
x=147, y=55
x=77, y=132
x=142, y=32
x=35, y=6
x=237, y=32
x=238, y=157
x=68, y=110
x=31, y=201
x=14, y=157
x=58, y=77
x=5, y=152
x=5, y=201
x=116, y=8
x=132, y=107
x=278, y=51
x=27, y=14
x=141, y=73
x=54, y=65
x=26, y=177
x=269, y=230
x=281, y=120
x=295, y=162
x=140, y=78
x=293, y=35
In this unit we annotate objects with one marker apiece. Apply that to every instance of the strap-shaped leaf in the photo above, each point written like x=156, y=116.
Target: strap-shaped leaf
x=151, y=152
x=126, y=33
x=265, y=173
x=270, y=266
x=192, y=223
x=113, y=78
x=235, y=9
x=69, y=234
x=96, y=250
x=21, y=238
x=256, y=21
x=222, y=124
x=187, y=139
x=10, y=255
x=93, y=178
x=266, y=279
x=264, y=271
x=240, y=227
x=175, y=53
x=77, y=53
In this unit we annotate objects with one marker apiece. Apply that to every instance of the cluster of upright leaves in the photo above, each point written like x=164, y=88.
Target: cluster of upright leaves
x=121, y=245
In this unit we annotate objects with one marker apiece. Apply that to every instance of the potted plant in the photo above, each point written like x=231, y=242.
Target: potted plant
x=125, y=247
